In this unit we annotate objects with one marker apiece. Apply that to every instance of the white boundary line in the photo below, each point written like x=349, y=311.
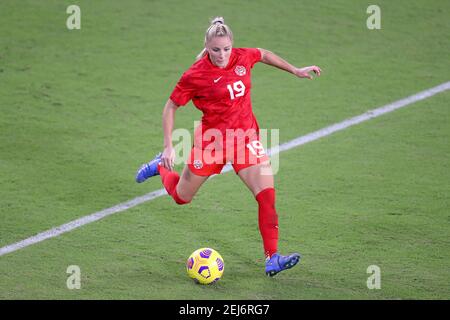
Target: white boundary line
x=54, y=232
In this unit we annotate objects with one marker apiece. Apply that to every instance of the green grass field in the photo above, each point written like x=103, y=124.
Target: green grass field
x=80, y=110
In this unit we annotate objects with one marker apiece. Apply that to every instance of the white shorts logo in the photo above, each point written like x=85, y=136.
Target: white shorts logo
x=240, y=70
x=198, y=164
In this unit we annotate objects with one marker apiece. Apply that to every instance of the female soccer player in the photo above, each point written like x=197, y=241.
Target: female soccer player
x=218, y=84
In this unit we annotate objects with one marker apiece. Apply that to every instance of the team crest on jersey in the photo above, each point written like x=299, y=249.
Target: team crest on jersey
x=198, y=164
x=240, y=70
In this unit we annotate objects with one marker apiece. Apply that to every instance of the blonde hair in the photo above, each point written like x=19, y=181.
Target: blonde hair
x=218, y=28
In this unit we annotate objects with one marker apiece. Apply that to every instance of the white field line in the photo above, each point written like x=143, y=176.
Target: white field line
x=54, y=232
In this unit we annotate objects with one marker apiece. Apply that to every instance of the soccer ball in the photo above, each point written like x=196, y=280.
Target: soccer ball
x=205, y=266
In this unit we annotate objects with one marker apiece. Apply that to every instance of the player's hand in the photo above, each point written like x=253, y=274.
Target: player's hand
x=168, y=158
x=305, y=72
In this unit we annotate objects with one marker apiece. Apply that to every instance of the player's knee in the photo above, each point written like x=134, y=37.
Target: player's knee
x=266, y=196
x=181, y=200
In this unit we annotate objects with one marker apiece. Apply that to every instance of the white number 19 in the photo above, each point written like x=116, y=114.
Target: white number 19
x=238, y=87
x=256, y=148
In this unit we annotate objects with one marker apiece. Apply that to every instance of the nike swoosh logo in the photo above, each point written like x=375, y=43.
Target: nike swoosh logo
x=217, y=80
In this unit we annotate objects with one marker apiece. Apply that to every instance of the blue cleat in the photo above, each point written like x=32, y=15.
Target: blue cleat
x=278, y=263
x=148, y=170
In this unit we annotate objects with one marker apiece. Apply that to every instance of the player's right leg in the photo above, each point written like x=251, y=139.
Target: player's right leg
x=182, y=189
x=195, y=173
x=149, y=169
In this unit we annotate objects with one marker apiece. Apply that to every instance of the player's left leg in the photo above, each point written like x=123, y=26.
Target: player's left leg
x=262, y=187
x=259, y=179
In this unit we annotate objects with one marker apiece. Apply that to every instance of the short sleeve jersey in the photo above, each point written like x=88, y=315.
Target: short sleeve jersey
x=222, y=94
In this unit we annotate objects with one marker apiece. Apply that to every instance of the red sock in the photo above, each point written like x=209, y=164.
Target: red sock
x=268, y=220
x=170, y=180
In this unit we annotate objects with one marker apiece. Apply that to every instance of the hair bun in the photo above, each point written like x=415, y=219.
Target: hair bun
x=220, y=20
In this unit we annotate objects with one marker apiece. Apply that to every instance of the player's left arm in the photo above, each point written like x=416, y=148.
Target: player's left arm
x=272, y=59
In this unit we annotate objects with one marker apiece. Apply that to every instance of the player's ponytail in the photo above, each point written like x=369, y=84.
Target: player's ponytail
x=218, y=28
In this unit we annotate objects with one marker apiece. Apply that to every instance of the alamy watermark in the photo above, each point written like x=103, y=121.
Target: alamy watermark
x=373, y=22
x=374, y=280
x=238, y=146
x=74, y=20
x=74, y=279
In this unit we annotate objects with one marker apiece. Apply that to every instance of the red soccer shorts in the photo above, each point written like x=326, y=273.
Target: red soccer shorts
x=207, y=162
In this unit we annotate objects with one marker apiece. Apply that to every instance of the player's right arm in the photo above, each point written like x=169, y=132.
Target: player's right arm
x=168, y=120
x=183, y=92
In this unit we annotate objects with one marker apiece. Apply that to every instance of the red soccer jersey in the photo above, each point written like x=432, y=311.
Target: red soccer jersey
x=223, y=95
